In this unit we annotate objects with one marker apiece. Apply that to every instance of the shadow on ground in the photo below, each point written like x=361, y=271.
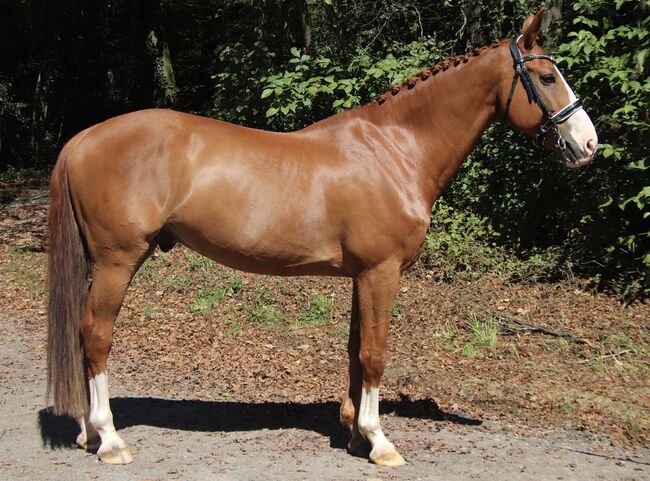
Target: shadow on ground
x=61, y=431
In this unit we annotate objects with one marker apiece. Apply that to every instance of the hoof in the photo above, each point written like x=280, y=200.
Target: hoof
x=387, y=457
x=359, y=446
x=88, y=444
x=115, y=455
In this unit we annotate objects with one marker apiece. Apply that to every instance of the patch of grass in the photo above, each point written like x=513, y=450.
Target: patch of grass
x=343, y=330
x=448, y=333
x=633, y=423
x=210, y=297
x=597, y=364
x=562, y=343
x=231, y=327
x=317, y=314
x=398, y=308
x=177, y=282
x=149, y=311
x=206, y=299
x=197, y=262
x=261, y=313
x=263, y=295
x=513, y=350
x=567, y=409
x=234, y=287
x=469, y=350
x=619, y=352
x=625, y=413
x=27, y=268
x=148, y=270
x=620, y=343
x=125, y=320
x=484, y=334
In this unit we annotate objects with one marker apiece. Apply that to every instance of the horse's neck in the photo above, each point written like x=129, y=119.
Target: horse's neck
x=439, y=121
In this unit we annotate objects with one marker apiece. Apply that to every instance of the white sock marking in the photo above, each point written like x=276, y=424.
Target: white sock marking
x=369, y=425
x=101, y=416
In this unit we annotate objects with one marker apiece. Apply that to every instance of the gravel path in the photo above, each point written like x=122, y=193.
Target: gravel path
x=227, y=440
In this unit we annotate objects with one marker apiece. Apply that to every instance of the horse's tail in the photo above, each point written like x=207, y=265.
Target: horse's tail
x=67, y=280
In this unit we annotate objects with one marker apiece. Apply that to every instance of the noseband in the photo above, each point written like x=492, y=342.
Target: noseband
x=550, y=120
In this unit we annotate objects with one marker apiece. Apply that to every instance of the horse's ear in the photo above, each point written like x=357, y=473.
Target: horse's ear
x=531, y=28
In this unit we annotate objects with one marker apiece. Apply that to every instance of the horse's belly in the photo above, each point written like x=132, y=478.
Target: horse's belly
x=266, y=253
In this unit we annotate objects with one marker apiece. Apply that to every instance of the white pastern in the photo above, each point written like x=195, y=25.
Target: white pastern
x=369, y=426
x=88, y=438
x=579, y=125
x=101, y=416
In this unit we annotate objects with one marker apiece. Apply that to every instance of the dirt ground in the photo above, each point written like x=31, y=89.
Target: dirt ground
x=195, y=439
x=222, y=375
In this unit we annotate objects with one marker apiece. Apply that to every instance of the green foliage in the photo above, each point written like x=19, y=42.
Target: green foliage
x=318, y=313
x=398, y=309
x=206, y=299
x=460, y=241
x=607, y=54
x=316, y=87
x=199, y=262
x=262, y=313
x=484, y=333
x=14, y=124
x=237, y=85
x=209, y=297
x=469, y=350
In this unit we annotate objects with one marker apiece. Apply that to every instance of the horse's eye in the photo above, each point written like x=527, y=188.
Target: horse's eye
x=548, y=79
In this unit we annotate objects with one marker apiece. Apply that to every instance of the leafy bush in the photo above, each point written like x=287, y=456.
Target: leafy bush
x=315, y=87
x=607, y=56
x=460, y=241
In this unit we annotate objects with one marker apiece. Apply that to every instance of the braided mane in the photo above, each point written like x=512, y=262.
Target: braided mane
x=434, y=70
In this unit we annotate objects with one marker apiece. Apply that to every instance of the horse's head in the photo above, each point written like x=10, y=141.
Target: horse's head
x=537, y=100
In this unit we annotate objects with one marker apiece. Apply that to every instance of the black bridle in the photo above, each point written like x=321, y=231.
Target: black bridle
x=550, y=120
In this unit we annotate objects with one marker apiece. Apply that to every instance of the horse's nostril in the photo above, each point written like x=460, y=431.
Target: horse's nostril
x=591, y=147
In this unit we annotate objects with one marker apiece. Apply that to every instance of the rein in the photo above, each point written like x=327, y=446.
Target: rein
x=551, y=120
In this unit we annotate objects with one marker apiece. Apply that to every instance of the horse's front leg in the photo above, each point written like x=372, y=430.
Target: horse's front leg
x=376, y=290
x=358, y=445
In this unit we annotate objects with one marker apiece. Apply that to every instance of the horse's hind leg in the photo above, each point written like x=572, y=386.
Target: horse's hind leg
x=110, y=280
x=88, y=438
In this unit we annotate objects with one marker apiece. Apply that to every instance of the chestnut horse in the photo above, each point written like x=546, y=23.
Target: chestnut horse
x=348, y=196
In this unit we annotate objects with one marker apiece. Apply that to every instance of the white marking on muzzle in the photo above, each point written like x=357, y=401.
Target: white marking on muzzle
x=579, y=125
